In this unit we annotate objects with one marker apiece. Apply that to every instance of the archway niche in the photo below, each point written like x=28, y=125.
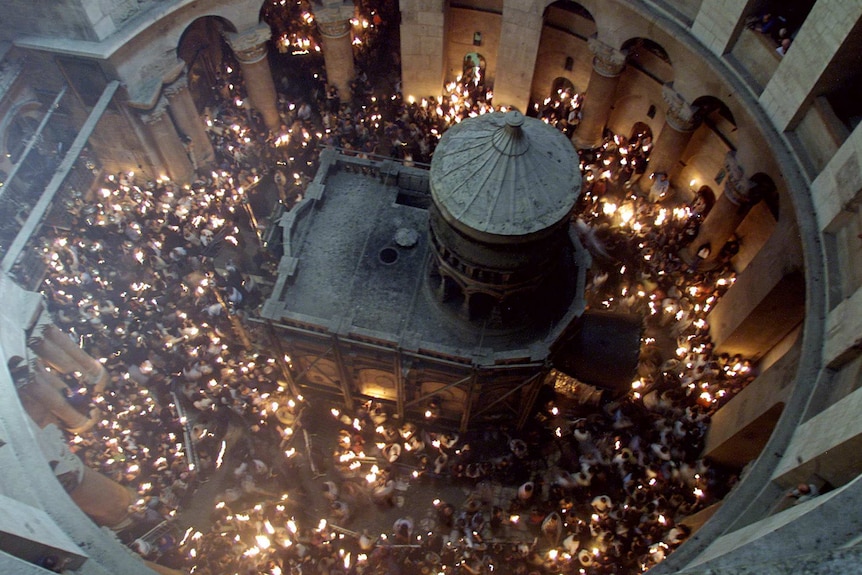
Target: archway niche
x=765, y=189
x=649, y=57
x=563, y=50
x=562, y=89
x=203, y=48
x=640, y=130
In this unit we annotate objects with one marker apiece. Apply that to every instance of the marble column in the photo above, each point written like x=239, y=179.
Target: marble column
x=333, y=21
x=189, y=122
x=103, y=499
x=608, y=64
x=679, y=125
x=163, y=133
x=59, y=351
x=740, y=194
x=45, y=389
x=251, y=49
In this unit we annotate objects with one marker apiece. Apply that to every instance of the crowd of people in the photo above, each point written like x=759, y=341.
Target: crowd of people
x=141, y=280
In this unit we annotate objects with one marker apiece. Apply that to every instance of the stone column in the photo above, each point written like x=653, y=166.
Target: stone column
x=161, y=130
x=608, y=64
x=104, y=500
x=59, y=351
x=44, y=389
x=92, y=369
x=679, y=125
x=423, y=29
x=520, y=32
x=740, y=194
x=251, y=49
x=188, y=120
x=333, y=21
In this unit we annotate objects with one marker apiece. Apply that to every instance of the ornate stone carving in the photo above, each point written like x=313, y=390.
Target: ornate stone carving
x=737, y=188
x=334, y=29
x=250, y=45
x=333, y=17
x=607, y=60
x=680, y=114
x=157, y=113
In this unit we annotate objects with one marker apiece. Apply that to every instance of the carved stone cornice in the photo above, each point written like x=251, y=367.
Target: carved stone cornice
x=737, y=188
x=250, y=46
x=607, y=60
x=680, y=114
x=334, y=28
x=157, y=113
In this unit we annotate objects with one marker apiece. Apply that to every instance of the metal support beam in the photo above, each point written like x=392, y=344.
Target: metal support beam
x=508, y=393
x=413, y=402
x=280, y=359
x=532, y=395
x=399, y=383
x=33, y=139
x=465, y=416
x=339, y=365
x=313, y=363
x=53, y=186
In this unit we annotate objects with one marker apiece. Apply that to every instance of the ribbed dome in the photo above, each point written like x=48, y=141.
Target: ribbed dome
x=505, y=174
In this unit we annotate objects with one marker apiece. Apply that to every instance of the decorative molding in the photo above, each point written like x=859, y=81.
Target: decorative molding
x=737, y=188
x=333, y=28
x=250, y=46
x=607, y=60
x=679, y=114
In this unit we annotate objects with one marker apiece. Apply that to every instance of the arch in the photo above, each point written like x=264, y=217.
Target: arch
x=562, y=89
x=763, y=187
x=202, y=47
x=704, y=200
x=18, y=125
x=708, y=108
x=562, y=52
x=649, y=57
x=377, y=383
x=572, y=7
x=473, y=69
x=640, y=130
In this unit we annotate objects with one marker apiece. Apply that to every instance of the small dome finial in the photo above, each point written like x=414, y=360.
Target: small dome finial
x=514, y=119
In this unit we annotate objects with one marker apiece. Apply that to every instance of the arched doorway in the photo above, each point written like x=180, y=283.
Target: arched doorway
x=562, y=89
x=640, y=131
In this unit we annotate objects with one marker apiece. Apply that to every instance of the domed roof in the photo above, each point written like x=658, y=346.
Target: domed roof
x=505, y=174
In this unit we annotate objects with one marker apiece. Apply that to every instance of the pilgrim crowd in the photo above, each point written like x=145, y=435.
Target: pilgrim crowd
x=197, y=395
